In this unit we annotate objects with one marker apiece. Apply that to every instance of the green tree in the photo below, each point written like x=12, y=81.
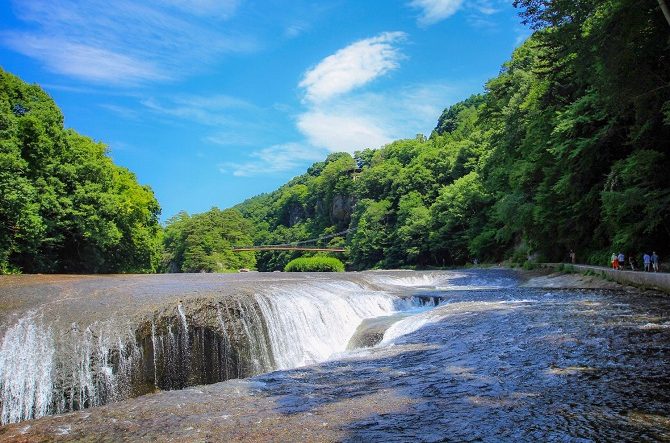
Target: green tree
x=204, y=242
x=65, y=206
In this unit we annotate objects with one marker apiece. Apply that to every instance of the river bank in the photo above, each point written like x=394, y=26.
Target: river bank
x=645, y=280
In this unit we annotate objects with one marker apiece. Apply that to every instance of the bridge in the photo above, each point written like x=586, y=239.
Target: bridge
x=295, y=246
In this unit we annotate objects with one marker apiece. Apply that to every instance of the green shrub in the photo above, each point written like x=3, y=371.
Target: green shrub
x=314, y=264
x=529, y=265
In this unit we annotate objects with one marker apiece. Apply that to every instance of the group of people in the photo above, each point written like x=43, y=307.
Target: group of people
x=650, y=261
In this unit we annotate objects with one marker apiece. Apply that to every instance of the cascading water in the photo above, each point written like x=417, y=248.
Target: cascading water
x=44, y=372
x=48, y=368
x=308, y=325
x=26, y=362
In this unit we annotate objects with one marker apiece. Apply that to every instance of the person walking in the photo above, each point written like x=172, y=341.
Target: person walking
x=622, y=260
x=654, y=261
x=615, y=261
x=573, y=256
x=646, y=258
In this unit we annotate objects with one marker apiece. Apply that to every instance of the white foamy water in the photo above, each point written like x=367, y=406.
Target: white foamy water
x=44, y=372
x=442, y=281
x=414, y=323
x=26, y=364
x=308, y=325
x=48, y=367
x=413, y=280
x=182, y=317
x=655, y=326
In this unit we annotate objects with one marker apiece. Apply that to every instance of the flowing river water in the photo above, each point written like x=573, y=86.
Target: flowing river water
x=471, y=355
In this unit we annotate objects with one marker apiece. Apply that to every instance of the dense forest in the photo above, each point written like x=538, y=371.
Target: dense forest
x=64, y=205
x=567, y=148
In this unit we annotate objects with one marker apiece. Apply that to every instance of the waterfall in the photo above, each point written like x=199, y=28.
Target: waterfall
x=48, y=366
x=308, y=325
x=182, y=317
x=154, y=351
x=26, y=362
x=44, y=372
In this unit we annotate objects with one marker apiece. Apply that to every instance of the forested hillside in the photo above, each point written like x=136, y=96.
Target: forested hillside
x=64, y=205
x=203, y=242
x=566, y=149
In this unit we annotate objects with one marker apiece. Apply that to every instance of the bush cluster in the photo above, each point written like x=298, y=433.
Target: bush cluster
x=315, y=264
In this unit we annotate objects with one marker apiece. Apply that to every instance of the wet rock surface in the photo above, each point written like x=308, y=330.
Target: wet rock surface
x=505, y=363
x=74, y=342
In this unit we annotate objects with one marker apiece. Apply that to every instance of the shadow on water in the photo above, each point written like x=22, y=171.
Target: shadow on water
x=559, y=366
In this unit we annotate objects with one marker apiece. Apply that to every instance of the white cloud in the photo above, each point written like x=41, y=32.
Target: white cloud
x=79, y=60
x=275, y=159
x=339, y=119
x=124, y=43
x=433, y=11
x=352, y=67
x=371, y=120
x=338, y=131
x=350, y=123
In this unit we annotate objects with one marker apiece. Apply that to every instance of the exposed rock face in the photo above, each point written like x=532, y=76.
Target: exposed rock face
x=295, y=213
x=212, y=343
x=195, y=342
x=72, y=342
x=341, y=209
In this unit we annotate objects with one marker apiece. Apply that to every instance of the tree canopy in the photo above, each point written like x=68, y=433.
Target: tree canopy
x=64, y=205
x=567, y=148
x=204, y=242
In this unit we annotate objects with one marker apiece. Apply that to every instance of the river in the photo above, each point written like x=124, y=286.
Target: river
x=470, y=355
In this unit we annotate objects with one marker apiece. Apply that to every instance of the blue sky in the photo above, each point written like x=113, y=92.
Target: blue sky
x=213, y=101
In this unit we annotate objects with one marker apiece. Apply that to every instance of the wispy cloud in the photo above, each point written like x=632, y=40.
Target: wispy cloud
x=522, y=35
x=488, y=7
x=83, y=61
x=122, y=111
x=213, y=110
x=352, y=67
x=295, y=29
x=226, y=120
x=125, y=43
x=273, y=160
x=433, y=11
x=339, y=117
x=229, y=138
x=371, y=120
x=213, y=8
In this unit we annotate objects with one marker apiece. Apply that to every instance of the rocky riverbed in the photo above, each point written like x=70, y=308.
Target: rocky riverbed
x=493, y=361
